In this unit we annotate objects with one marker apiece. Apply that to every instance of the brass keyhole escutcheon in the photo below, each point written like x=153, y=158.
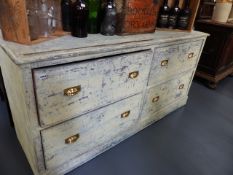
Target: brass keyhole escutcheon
x=72, y=139
x=72, y=91
x=164, y=63
x=134, y=74
x=155, y=99
x=181, y=86
x=125, y=114
x=190, y=55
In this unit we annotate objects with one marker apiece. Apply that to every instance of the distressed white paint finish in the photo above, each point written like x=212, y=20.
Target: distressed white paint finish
x=102, y=82
x=19, y=61
x=86, y=54
x=95, y=129
x=166, y=93
x=77, y=161
x=145, y=120
x=15, y=88
x=178, y=59
x=67, y=47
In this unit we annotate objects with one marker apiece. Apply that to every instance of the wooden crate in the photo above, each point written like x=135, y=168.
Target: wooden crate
x=194, y=5
x=136, y=16
x=15, y=25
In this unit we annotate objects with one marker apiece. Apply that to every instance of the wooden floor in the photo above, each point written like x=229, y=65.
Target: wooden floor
x=194, y=140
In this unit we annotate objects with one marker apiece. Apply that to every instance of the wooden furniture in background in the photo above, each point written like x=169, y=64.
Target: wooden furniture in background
x=72, y=99
x=206, y=9
x=217, y=58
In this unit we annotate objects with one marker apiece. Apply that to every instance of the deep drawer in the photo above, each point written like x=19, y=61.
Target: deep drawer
x=66, y=91
x=174, y=59
x=95, y=129
x=162, y=95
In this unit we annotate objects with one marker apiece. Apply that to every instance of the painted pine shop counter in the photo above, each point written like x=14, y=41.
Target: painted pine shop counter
x=72, y=99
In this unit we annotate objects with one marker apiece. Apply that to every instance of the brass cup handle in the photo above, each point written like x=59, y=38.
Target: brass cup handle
x=72, y=139
x=164, y=63
x=190, y=55
x=181, y=86
x=155, y=99
x=125, y=114
x=72, y=91
x=134, y=74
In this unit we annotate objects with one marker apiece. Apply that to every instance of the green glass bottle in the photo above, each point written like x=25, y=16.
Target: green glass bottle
x=94, y=16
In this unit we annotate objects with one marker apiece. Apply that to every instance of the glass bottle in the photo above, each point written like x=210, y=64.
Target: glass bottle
x=44, y=19
x=175, y=11
x=94, y=16
x=183, y=20
x=164, y=15
x=66, y=14
x=108, y=25
x=33, y=20
x=52, y=18
x=79, y=18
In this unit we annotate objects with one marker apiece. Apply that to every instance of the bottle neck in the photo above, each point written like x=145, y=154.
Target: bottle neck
x=165, y=2
x=110, y=3
x=44, y=7
x=177, y=2
x=187, y=3
x=81, y=1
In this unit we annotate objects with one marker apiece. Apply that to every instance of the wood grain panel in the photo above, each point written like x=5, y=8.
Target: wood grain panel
x=13, y=19
x=216, y=61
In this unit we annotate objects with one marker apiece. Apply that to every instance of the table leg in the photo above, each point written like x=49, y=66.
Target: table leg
x=212, y=85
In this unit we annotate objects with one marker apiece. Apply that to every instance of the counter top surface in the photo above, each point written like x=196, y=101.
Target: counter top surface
x=94, y=43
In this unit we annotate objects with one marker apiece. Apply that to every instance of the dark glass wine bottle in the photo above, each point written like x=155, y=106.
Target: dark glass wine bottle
x=94, y=16
x=79, y=18
x=184, y=17
x=66, y=14
x=173, y=17
x=108, y=25
x=164, y=15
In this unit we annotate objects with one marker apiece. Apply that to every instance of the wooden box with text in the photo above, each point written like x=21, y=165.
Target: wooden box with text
x=136, y=16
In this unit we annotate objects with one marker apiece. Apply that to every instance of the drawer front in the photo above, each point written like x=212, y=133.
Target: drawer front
x=162, y=95
x=172, y=60
x=91, y=130
x=64, y=92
